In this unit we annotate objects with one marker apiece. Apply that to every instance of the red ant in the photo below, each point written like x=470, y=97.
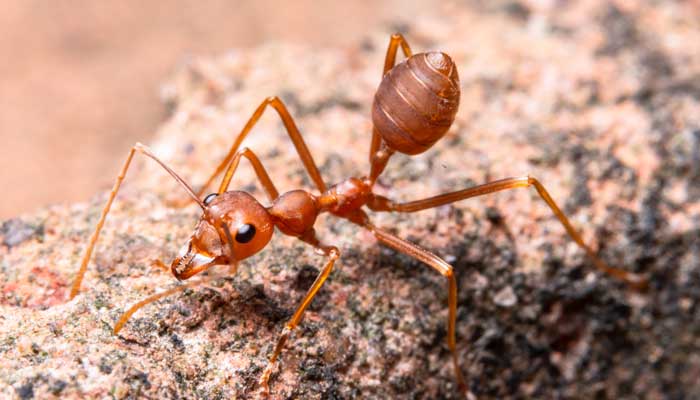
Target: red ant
x=413, y=108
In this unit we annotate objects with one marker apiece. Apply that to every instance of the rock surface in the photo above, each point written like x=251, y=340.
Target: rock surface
x=599, y=101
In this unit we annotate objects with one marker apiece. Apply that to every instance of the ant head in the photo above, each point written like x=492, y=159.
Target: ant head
x=234, y=226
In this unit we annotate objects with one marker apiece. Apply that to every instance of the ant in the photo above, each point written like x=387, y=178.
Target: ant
x=414, y=106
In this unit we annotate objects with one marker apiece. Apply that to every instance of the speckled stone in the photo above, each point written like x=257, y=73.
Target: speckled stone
x=598, y=100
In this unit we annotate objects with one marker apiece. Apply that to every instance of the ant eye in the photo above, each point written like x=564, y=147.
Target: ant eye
x=209, y=198
x=245, y=233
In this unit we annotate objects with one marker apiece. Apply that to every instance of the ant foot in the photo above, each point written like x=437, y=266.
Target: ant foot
x=157, y=264
x=637, y=282
x=264, y=378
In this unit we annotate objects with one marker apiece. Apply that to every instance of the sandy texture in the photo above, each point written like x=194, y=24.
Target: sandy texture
x=600, y=102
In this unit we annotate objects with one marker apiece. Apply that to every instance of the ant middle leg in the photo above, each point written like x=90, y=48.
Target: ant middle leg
x=138, y=147
x=293, y=133
x=442, y=267
x=380, y=203
x=332, y=253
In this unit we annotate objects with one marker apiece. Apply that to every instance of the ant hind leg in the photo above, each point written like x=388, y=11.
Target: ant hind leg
x=378, y=154
x=380, y=203
x=442, y=267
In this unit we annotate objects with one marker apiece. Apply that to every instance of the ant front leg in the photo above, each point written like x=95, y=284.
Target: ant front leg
x=442, y=267
x=150, y=299
x=332, y=253
x=233, y=265
x=380, y=203
x=138, y=147
x=294, y=135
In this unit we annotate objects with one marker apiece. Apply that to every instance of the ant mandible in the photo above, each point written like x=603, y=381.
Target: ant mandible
x=413, y=108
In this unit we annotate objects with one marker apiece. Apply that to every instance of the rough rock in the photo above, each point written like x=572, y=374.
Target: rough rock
x=598, y=100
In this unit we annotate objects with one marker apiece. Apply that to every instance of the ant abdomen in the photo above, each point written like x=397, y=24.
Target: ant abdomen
x=416, y=102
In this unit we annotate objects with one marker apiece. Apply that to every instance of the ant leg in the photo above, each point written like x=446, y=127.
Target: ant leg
x=96, y=234
x=380, y=203
x=150, y=299
x=442, y=267
x=332, y=253
x=396, y=40
x=160, y=265
x=260, y=171
x=379, y=159
x=293, y=132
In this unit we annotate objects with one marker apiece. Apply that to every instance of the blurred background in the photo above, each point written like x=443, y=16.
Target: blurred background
x=79, y=83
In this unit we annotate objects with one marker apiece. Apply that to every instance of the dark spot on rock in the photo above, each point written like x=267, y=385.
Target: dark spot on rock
x=105, y=365
x=650, y=218
x=580, y=195
x=688, y=87
x=366, y=45
x=139, y=379
x=334, y=166
x=492, y=341
x=657, y=65
x=517, y=10
x=402, y=27
x=494, y=216
x=56, y=386
x=254, y=296
x=613, y=169
x=291, y=99
x=693, y=185
x=332, y=392
x=620, y=31
x=15, y=231
x=312, y=370
x=402, y=383
x=251, y=188
x=26, y=391
x=182, y=310
x=305, y=278
x=179, y=378
x=177, y=342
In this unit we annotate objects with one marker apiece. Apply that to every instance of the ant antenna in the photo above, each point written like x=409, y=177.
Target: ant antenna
x=147, y=152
